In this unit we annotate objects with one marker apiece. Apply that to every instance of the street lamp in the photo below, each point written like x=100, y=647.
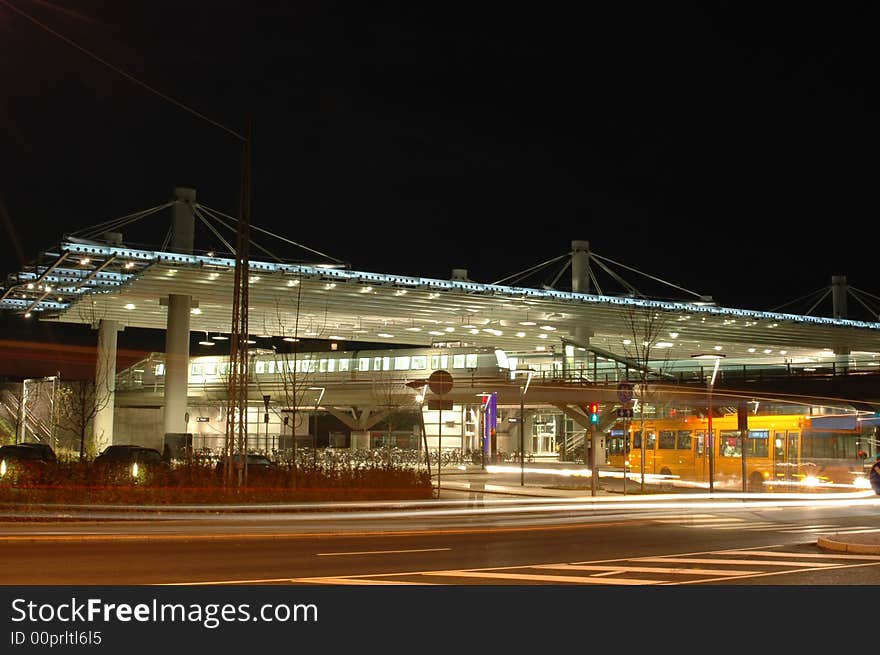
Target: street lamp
x=522, y=442
x=315, y=435
x=710, y=441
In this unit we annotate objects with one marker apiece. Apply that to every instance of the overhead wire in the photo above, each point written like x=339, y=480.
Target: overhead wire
x=120, y=71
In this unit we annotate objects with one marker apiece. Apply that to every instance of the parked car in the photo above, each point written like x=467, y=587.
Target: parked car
x=44, y=449
x=25, y=462
x=257, y=465
x=129, y=463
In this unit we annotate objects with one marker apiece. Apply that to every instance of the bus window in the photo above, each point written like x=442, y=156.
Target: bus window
x=758, y=444
x=652, y=440
x=667, y=439
x=637, y=439
x=684, y=440
x=729, y=444
x=701, y=443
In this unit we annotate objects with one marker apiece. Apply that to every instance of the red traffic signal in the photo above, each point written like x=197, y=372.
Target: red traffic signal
x=594, y=408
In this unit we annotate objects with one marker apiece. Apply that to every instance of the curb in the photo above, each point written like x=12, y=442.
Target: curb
x=831, y=543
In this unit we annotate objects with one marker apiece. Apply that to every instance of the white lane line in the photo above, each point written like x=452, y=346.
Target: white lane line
x=708, y=560
x=775, y=553
x=356, y=581
x=716, y=519
x=576, y=579
x=382, y=552
x=645, y=569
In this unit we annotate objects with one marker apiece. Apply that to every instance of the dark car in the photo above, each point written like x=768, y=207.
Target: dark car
x=257, y=465
x=25, y=462
x=44, y=449
x=129, y=463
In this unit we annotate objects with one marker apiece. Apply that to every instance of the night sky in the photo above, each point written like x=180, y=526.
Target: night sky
x=719, y=146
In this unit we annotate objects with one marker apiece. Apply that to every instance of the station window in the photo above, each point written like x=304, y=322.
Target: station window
x=458, y=361
x=377, y=363
x=419, y=362
x=344, y=364
x=160, y=369
x=210, y=369
x=331, y=365
x=271, y=366
x=386, y=363
x=470, y=360
x=363, y=363
x=401, y=363
x=260, y=366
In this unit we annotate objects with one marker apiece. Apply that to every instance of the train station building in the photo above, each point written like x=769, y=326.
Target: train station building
x=537, y=358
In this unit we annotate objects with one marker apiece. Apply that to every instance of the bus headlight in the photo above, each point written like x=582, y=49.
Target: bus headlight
x=2, y=468
x=134, y=470
x=811, y=481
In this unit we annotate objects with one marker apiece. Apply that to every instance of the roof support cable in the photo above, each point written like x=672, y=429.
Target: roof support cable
x=213, y=229
x=596, y=285
x=523, y=273
x=821, y=298
x=217, y=213
x=251, y=241
x=167, y=240
x=656, y=279
x=559, y=274
x=826, y=290
x=864, y=304
x=106, y=226
x=618, y=279
x=862, y=291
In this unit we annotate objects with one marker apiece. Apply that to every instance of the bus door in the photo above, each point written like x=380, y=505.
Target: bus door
x=785, y=454
x=701, y=468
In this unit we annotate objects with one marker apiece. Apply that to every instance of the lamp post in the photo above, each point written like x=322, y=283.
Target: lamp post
x=710, y=441
x=522, y=424
x=315, y=435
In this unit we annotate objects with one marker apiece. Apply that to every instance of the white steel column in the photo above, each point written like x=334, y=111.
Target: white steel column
x=105, y=384
x=580, y=283
x=177, y=326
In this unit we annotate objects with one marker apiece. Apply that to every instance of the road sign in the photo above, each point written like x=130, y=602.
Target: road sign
x=625, y=412
x=440, y=382
x=624, y=391
x=440, y=403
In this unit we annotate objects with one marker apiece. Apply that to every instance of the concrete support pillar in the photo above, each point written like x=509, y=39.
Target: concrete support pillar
x=838, y=303
x=177, y=326
x=105, y=384
x=360, y=440
x=580, y=266
x=838, y=295
x=176, y=363
x=182, y=220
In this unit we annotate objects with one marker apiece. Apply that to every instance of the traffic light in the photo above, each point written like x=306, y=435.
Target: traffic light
x=594, y=412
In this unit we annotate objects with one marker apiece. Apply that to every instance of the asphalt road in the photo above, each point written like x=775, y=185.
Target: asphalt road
x=509, y=543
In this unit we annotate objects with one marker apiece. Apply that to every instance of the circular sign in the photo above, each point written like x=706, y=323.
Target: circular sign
x=625, y=391
x=440, y=382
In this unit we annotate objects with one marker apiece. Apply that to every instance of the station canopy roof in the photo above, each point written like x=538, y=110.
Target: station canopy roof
x=84, y=281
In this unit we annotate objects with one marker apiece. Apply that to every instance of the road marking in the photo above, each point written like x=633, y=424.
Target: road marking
x=708, y=560
x=774, y=553
x=383, y=552
x=555, y=579
x=643, y=569
x=356, y=581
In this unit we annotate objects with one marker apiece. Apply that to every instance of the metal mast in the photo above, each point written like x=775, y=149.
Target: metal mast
x=237, y=390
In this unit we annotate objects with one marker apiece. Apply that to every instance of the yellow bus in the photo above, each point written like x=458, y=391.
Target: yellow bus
x=784, y=449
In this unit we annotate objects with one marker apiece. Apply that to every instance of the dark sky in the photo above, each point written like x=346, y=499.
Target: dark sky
x=719, y=146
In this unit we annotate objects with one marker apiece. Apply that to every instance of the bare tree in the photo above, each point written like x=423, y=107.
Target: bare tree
x=394, y=395
x=78, y=404
x=646, y=327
